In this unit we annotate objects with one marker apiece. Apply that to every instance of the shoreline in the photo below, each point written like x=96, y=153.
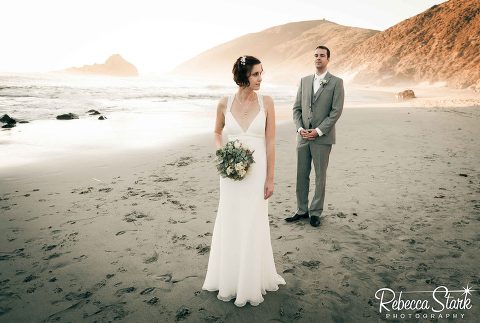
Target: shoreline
x=41, y=140
x=134, y=247
x=427, y=96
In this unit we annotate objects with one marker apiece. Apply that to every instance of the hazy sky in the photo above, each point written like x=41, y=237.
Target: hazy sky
x=158, y=35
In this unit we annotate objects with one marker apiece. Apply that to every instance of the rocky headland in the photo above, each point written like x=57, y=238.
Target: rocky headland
x=115, y=65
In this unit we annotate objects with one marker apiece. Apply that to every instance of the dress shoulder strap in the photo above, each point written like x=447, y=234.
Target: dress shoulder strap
x=260, y=101
x=231, y=98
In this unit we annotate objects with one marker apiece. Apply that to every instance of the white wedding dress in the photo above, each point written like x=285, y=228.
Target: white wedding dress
x=241, y=261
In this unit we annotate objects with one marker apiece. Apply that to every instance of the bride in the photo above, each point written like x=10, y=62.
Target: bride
x=241, y=264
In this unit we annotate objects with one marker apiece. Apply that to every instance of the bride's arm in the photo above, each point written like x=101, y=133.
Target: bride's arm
x=220, y=123
x=270, y=145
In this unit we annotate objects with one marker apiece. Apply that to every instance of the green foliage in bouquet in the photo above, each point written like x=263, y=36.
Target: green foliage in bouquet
x=234, y=160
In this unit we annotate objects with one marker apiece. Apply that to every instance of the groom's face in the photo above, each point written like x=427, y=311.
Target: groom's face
x=321, y=60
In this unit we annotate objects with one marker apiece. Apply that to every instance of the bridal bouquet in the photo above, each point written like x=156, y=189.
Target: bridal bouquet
x=234, y=160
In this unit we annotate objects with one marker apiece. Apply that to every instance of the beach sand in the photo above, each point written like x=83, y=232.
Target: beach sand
x=126, y=237
x=435, y=95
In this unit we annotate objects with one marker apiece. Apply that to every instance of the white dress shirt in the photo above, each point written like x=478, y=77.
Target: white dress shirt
x=317, y=79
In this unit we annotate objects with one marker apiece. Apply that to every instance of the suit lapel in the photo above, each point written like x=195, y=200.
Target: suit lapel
x=320, y=89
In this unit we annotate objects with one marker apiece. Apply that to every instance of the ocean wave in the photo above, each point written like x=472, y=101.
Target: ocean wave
x=216, y=87
x=40, y=97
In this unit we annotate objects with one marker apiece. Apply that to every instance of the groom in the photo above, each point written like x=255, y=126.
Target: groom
x=318, y=106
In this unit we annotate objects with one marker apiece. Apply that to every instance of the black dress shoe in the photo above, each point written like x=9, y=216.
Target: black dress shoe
x=296, y=217
x=314, y=221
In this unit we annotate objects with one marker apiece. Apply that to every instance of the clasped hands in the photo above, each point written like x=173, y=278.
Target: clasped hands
x=309, y=134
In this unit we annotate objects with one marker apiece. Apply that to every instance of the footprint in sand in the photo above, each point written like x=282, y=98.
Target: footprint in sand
x=178, y=204
x=52, y=256
x=346, y=261
x=311, y=264
x=29, y=278
x=73, y=296
x=48, y=248
x=81, y=258
x=153, y=301
x=203, y=249
x=147, y=290
x=131, y=217
x=175, y=238
x=151, y=259
x=127, y=290
x=372, y=260
x=182, y=314
x=166, y=278
x=165, y=179
x=291, y=237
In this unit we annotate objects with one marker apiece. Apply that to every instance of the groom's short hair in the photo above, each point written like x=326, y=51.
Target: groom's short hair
x=324, y=47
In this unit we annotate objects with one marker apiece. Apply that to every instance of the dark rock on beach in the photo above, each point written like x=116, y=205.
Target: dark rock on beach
x=68, y=116
x=6, y=119
x=407, y=94
x=94, y=112
x=10, y=122
x=102, y=118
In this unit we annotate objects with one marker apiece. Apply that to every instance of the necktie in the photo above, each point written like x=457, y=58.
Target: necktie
x=317, y=84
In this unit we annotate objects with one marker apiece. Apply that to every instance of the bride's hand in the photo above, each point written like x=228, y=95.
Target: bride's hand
x=268, y=189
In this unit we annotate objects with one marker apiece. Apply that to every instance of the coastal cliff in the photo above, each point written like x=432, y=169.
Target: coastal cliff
x=115, y=65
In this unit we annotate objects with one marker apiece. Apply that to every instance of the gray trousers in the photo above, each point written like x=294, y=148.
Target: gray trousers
x=306, y=152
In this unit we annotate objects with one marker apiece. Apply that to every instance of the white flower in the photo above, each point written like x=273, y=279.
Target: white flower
x=239, y=166
x=242, y=59
x=324, y=82
x=242, y=172
x=229, y=170
x=237, y=144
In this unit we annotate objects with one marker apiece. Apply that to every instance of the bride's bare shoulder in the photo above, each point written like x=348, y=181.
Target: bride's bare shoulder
x=222, y=105
x=223, y=102
x=268, y=102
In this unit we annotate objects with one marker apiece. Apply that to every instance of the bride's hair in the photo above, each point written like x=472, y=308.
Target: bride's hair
x=242, y=69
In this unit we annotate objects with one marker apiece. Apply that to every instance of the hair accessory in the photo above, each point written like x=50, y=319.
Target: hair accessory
x=242, y=60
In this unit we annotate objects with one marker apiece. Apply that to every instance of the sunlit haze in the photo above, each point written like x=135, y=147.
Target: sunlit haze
x=156, y=36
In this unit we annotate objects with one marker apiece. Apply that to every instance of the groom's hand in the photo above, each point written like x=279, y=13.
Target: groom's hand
x=305, y=133
x=310, y=134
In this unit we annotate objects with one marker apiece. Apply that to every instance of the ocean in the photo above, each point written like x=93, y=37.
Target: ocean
x=142, y=112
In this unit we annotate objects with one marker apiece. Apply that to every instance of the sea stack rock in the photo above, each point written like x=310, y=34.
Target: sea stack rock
x=115, y=65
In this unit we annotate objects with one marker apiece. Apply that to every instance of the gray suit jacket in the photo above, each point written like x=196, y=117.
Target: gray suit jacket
x=321, y=110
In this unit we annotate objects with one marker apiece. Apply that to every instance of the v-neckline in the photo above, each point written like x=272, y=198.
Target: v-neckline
x=245, y=131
